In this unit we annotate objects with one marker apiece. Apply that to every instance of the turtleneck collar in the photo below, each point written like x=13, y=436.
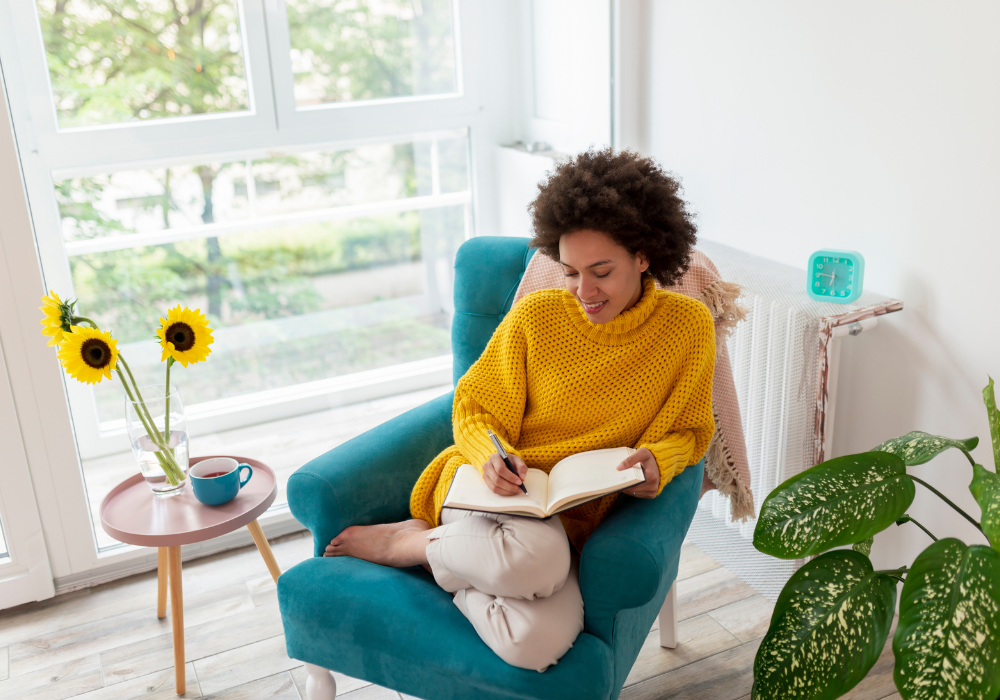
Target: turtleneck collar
x=623, y=327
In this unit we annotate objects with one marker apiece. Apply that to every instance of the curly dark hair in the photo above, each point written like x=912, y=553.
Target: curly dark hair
x=624, y=195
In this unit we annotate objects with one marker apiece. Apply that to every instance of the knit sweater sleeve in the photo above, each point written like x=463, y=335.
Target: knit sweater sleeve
x=682, y=430
x=491, y=395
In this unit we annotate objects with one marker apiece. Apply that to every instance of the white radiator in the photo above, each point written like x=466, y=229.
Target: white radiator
x=785, y=359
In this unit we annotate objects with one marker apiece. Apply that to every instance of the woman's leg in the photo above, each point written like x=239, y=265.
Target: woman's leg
x=500, y=555
x=531, y=634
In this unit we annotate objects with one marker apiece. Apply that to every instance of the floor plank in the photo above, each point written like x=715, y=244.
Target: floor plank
x=154, y=686
x=56, y=682
x=263, y=590
x=746, y=619
x=4, y=666
x=698, y=638
x=708, y=591
x=345, y=684
x=694, y=562
x=725, y=676
x=200, y=641
x=277, y=687
x=243, y=664
x=371, y=692
x=127, y=628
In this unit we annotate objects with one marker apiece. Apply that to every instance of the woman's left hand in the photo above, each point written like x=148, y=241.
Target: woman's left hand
x=650, y=468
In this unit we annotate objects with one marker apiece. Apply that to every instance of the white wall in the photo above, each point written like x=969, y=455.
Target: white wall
x=872, y=126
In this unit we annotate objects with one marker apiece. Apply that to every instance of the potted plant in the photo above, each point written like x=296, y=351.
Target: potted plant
x=834, y=615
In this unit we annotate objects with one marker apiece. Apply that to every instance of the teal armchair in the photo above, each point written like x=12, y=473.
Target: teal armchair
x=396, y=627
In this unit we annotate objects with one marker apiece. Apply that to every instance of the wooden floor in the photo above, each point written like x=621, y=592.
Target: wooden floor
x=105, y=643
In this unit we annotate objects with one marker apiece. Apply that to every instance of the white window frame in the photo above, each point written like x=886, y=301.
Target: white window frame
x=482, y=39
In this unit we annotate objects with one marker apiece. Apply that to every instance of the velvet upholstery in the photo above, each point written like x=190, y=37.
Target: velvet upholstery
x=396, y=627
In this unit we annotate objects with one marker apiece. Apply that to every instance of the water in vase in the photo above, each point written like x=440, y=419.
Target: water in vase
x=145, y=452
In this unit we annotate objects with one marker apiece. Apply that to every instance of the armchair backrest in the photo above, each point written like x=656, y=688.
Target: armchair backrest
x=487, y=272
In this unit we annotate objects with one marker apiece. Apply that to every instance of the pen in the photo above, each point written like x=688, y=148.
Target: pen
x=506, y=460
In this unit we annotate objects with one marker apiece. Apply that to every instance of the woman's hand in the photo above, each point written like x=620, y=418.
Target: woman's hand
x=650, y=468
x=499, y=478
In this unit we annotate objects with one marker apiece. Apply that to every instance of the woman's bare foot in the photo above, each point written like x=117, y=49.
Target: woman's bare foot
x=394, y=544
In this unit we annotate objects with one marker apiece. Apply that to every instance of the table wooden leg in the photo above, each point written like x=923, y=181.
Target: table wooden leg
x=161, y=582
x=265, y=549
x=177, y=617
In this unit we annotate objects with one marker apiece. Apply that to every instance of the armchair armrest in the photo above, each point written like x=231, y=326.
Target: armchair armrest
x=624, y=563
x=368, y=479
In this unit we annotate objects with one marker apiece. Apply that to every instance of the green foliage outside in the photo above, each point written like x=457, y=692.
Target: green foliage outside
x=834, y=615
x=263, y=275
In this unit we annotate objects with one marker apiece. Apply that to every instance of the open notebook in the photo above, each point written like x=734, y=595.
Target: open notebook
x=576, y=479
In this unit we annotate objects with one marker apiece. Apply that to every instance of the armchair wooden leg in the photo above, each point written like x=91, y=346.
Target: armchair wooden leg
x=320, y=685
x=668, y=619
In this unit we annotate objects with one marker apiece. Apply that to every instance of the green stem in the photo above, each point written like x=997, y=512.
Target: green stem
x=910, y=519
x=948, y=501
x=168, y=468
x=142, y=410
x=895, y=573
x=969, y=457
x=166, y=398
x=84, y=319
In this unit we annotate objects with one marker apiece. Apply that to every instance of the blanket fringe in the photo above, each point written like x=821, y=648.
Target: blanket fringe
x=722, y=472
x=722, y=299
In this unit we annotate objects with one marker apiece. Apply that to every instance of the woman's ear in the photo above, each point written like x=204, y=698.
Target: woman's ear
x=643, y=261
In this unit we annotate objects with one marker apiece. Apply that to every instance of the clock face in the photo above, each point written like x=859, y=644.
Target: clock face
x=835, y=275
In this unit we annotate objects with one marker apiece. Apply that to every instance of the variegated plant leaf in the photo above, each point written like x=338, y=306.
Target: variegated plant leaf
x=864, y=547
x=829, y=626
x=839, y=502
x=947, y=643
x=994, y=416
x=985, y=489
x=919, y=447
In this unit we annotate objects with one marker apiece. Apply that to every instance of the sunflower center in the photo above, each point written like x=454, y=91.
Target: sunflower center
x=96, y=353
x=181, y=335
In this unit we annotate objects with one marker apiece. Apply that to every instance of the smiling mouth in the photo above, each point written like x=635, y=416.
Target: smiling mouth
x=593, y=308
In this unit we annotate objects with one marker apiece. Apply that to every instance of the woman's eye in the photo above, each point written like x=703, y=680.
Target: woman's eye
x=604, y=275
x=570, y=274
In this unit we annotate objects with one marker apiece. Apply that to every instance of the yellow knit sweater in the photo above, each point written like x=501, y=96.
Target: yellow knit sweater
x=551, y=383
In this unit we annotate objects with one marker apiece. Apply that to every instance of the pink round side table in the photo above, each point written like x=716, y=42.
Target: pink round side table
x=132, y=514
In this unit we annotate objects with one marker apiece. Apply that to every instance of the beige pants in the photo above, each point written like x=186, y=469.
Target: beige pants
x=514, y=579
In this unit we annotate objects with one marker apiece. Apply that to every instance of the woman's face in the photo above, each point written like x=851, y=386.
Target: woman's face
x=603, y=276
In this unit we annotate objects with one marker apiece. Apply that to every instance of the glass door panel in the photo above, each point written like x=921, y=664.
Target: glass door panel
x=319, y=270
x=350, y=51
x=115, y=61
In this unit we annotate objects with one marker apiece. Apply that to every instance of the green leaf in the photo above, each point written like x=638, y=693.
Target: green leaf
x=828, y=629
x=864, y=547
x=947, y=644
x=985, y=489
x=839, y=502
x=919, y=447
x=994, y=417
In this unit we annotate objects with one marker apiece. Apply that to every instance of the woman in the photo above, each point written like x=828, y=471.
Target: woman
x=608, y=362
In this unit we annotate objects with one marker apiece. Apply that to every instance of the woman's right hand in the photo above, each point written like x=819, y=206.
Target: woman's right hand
x=500, y=479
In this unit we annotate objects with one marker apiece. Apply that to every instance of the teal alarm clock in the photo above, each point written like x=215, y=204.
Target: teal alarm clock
x=836, y=275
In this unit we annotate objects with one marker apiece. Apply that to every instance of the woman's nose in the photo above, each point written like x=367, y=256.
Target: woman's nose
x=587, y=290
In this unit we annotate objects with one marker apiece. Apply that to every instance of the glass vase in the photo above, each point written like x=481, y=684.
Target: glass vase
x=167, y=446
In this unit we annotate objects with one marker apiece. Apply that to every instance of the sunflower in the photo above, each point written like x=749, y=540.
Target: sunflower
x=185, y=335
x=58, y=317
x=88, y=354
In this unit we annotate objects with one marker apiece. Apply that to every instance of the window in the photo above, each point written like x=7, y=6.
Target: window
x=301, y=171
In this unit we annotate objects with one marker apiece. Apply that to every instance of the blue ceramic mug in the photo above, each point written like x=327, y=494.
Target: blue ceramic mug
x=217, y=480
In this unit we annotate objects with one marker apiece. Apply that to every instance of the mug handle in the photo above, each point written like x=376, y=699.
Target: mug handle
x=243, y=482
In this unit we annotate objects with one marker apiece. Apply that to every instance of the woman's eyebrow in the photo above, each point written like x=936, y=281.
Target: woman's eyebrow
x=596, y=264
